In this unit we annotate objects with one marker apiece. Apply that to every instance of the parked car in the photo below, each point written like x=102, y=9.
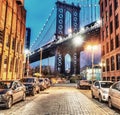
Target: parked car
x=114, y=95
x=84, y=84
x=42, y=83
x=31, y=84
x=11, y=92
x=47, y=81
x=100, y=90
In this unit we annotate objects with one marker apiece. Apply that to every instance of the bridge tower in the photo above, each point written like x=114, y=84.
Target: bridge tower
x=62, y=8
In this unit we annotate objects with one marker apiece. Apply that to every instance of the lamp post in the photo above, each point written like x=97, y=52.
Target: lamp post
x=40, y=61
x=92, y=48
x=27, y=53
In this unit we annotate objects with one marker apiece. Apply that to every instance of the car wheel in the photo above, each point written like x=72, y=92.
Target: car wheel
x=38, y=90
x=89, y=88
x=9, y=103
x=24, y=97
x=92, y=95
x=80, y=87
x=100, y=98
x=110, y=103
x=33, y=92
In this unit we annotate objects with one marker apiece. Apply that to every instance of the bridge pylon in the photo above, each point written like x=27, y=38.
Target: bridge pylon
x=62, y=8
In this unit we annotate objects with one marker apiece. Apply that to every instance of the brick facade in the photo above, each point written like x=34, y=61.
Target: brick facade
x=110, y=39
x=12, y=35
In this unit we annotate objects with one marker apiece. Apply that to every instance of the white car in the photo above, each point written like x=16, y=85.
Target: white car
x=114, y=95
x=100, y=90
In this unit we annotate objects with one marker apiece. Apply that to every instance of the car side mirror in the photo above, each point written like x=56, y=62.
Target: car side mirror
x=14, y=87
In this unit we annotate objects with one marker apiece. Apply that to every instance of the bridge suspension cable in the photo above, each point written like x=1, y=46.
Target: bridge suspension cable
x=86, y=16
x=40, y=39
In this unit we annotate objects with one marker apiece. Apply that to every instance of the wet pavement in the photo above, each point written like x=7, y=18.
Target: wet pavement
x=61, y=99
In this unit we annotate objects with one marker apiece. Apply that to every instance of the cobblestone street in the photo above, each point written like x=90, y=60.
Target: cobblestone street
x=59, y=100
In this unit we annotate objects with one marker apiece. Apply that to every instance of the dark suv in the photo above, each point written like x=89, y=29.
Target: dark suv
x=31, y=84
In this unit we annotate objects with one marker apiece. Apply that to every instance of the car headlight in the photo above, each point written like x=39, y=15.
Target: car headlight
x=3, y=96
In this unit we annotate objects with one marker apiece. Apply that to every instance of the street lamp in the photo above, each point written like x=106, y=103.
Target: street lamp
x=27, y=53
x=92, y=48
x=40, y=61
x=78, y=40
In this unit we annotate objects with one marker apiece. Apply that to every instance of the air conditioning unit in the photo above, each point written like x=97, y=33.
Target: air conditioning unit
x=20, y=2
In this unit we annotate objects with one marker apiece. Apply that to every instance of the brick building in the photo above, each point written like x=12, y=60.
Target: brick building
x=12, y=35
x=110, y=39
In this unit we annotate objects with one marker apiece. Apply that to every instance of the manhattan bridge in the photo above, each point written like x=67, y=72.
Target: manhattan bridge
x=69, y=21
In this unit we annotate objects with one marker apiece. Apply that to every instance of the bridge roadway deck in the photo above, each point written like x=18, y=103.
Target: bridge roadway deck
x=60, y=100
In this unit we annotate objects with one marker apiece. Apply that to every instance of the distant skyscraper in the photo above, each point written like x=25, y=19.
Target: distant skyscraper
x=27, y=40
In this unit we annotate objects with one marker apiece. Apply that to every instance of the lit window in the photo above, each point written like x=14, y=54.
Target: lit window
x=118, y=61
x=112, y=63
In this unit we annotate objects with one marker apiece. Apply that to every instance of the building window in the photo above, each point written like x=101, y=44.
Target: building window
x=103, y=67
x=107, y=47
x=116, y=4
x=0, y=60
x=110, y=10
x=106, y=15
x=113, y=78
x=102, y=35
x=5, y=63
x=18, y=47
x=112, y=63
x=117, y=41
x=107, y=31
x=1, y=36
x=21, y=49
x=107, y=64
x=111, y=45
x=102, y=7
x=103, y=51
x=116, y=21
x=118, y=78
x=16, y=66
x=105, y=3
x=108, y=78
x=111, y=27
x=7, y=40
x=102, y=21
x=118, y=61
x=11, y=64
x=104, y=78
x=13, y=44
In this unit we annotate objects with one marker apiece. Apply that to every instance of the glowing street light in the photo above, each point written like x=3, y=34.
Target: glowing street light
x=78, y=40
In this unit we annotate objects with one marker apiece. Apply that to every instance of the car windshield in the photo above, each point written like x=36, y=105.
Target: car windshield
x=106, y=84
x=30, y=80
x=5, y=84
x=40, y=80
